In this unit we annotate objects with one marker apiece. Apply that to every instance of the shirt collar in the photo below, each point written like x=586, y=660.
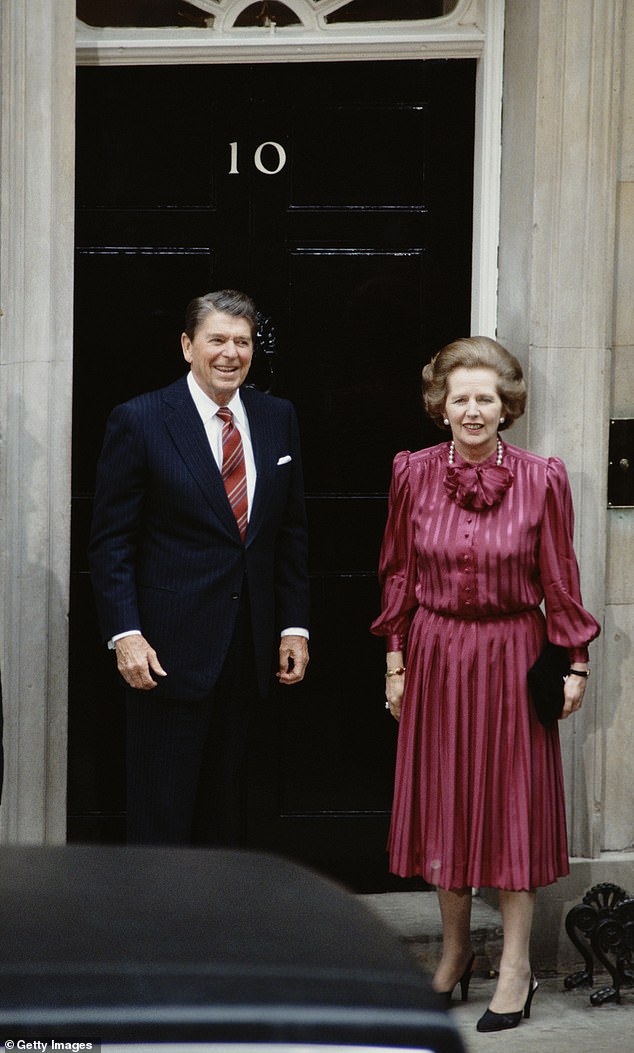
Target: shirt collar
x=207, y=408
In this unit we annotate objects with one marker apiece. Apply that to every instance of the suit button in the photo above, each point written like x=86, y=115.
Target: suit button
x=235, y=595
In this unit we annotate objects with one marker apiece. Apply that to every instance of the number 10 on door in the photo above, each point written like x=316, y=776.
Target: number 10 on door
x=257, y=158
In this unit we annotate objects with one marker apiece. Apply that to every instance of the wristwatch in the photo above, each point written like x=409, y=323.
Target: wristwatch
x=585, y=673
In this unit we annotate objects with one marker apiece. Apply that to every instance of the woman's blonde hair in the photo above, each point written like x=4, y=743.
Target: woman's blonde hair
x=474, y=352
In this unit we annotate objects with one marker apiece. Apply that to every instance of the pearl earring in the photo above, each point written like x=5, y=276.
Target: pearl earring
x=502, y=419
x=445, y=420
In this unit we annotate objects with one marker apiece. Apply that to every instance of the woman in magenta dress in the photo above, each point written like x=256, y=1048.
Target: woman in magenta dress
x=479, y=533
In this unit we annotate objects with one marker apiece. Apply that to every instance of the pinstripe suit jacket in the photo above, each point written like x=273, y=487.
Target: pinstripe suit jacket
x=165, y=551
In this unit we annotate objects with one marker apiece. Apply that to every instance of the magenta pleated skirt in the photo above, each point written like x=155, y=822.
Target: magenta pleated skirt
x=479, y=796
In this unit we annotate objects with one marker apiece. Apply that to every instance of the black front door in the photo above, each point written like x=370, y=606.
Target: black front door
x=340, y=197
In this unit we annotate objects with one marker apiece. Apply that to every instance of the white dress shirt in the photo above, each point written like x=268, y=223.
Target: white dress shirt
x=208, y=410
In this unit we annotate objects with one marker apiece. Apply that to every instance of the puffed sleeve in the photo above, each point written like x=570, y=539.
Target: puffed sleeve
x=568, y=623
x=397, y=561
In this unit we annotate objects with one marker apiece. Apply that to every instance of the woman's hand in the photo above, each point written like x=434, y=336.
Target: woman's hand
x=574, y=690
x=394, y=683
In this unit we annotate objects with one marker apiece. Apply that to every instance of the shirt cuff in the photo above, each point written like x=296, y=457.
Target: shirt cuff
x=294, y=631
x=120, y=636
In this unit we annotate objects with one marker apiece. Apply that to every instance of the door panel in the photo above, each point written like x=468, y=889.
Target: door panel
x=340, y=197
x=373, y=137
x=352, y=312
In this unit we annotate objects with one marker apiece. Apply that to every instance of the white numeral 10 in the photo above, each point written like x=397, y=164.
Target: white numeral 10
x=257, y=159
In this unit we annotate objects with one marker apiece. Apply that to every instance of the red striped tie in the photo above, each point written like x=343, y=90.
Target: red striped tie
x=233, y=469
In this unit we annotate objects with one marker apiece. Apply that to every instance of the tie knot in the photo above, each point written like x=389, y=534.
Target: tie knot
x=225, y=414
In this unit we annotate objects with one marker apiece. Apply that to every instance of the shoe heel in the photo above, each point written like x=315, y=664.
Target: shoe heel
x=465, y=980
x=533, y=987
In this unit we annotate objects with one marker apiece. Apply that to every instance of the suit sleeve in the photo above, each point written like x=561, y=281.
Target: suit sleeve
x=119, y=497
x=291, y=549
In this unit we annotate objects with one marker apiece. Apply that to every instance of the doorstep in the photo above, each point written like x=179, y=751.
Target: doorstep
x=415, y=918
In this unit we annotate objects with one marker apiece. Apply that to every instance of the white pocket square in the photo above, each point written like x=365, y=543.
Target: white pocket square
x=285, y=459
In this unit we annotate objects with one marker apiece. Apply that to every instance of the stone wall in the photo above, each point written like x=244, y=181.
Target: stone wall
x=618, y=699
x=567, y=157
x=36, y=351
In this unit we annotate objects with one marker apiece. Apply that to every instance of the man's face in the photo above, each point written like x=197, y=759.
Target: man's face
x=220, y=354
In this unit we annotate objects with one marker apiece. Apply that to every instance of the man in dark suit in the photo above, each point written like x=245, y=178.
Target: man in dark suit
x=198, y=559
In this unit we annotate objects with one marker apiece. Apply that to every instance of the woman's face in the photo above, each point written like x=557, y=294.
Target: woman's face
x=473, y=409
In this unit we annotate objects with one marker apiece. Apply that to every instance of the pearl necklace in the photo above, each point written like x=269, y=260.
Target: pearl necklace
x=498, y=461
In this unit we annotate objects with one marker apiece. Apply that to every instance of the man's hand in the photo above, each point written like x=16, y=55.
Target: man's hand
x=293, y=659
x=136, y=661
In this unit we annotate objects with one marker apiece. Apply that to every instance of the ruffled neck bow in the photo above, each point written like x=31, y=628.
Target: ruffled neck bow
x=477, y=486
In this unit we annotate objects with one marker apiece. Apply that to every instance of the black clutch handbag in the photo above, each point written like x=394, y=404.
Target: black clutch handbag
x=546, y=683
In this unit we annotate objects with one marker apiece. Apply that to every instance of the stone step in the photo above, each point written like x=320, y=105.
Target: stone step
x=415, y=918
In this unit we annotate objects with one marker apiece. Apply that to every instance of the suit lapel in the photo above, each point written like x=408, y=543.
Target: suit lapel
x=187, y=431
x=262, y=441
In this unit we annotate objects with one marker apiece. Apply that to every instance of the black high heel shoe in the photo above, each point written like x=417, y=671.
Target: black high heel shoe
x=464, y=982
x=491, y=1021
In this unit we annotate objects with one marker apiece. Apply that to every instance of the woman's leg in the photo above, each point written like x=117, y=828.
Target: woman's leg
x=455, y=912
x=515, y=968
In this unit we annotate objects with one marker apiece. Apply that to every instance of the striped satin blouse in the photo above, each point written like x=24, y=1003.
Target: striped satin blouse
x=492, y=562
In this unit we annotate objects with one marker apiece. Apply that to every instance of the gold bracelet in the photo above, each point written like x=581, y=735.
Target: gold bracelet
x=396, y=672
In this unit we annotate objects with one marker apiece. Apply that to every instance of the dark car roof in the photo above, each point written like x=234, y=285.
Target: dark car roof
x=155, y=943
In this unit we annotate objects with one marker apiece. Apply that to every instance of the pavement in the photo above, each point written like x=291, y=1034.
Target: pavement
x=560, y=1022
